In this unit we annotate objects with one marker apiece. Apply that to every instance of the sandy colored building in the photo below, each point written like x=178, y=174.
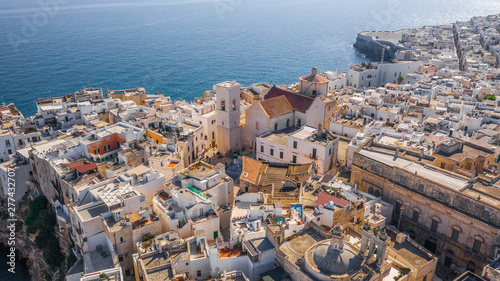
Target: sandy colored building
x=453, y=216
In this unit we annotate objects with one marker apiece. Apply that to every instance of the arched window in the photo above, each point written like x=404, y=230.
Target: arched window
x=370, y=190
x=275, y=126
x=377, y=193
x=288, y=123
x=256, y=125
x=234, y=104
x=222, y=104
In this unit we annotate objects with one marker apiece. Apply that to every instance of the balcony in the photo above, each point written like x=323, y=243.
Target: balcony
x=469, y=251
x=63, y=217
x=436, y=235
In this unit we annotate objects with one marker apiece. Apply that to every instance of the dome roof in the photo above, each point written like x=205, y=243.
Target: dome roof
x=331, y=261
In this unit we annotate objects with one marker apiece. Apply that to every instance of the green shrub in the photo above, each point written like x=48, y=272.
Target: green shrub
x=43, y=219
x=70, y=261
x=490, y=97
x=147, y=237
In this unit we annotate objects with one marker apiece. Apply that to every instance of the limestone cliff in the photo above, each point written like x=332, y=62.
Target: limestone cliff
x=25, y=244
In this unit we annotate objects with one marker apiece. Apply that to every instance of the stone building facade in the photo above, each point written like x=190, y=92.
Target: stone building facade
x=453, y=216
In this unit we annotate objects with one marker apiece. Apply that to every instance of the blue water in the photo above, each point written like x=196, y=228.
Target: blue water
x=182, y=48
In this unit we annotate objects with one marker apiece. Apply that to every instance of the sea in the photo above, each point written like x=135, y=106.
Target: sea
x=181, y=48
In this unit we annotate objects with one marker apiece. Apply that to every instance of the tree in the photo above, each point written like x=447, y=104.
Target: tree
x=400, y=79
x=490, y=97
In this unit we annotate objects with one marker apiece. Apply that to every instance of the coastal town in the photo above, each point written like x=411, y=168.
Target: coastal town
x=389, y=171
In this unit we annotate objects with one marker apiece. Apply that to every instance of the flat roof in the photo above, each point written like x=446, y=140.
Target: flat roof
x=279, y=138
x=259, y=245
x=93, y=212
x=453, y=182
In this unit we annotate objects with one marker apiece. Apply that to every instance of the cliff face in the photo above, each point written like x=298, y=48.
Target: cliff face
x=25, y=245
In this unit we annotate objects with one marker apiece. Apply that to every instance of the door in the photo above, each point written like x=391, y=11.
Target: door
x=430, y=245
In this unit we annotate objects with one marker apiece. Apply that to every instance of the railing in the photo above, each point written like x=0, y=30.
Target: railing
x=197, y=192
x=469, y=251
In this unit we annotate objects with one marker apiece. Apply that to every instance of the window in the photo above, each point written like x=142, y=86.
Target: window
x=314, y=153
x=198, y=273
x=261, y=148
x=281, y=154
x=288, y=122
x=276, y=126
x=117, y=145
x=121, y=239
x=294, y=159
x=7, y=143
x=416, y=214
x=120, y=258
x=106, y=147
x=96, y=151
x=271, y=151
x=223, y=104
x=440, y=196
x=330, y=152
x=454, y=234
x=10, y=151
x=476, y=248
x=421, y=187
x=295, y=144
x=398, y=208
x=434, y=225
x=213, y=135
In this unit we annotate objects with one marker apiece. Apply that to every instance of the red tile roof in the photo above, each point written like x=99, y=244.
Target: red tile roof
x=81, y=167
x=251, y=170
x=277, y=106
x=324, y=198
x=299, y=102
x=314, y=78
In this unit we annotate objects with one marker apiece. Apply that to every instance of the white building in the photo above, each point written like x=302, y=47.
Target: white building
x=230, y=134
x=303, y=146
x=379, y=74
